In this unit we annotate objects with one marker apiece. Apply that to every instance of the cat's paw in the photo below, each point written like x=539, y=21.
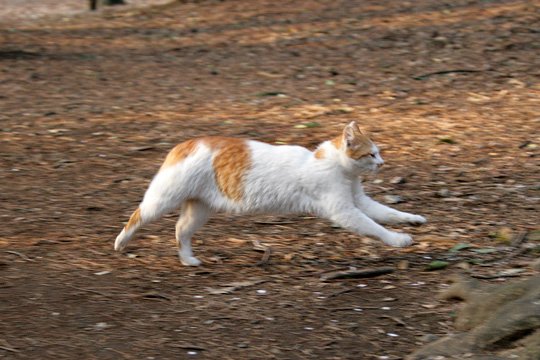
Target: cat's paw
x=398, y=240
x=190, y=261
x=416, y=219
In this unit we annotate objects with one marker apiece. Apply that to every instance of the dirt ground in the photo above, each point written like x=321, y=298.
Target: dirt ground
x=91, y=103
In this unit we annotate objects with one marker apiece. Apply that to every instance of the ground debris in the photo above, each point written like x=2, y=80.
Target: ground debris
x=91, y=104
x=234, y=286
x=501, y=320
x=356, y=273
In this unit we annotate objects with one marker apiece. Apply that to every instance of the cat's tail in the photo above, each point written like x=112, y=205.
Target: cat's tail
x=148, y=211
x=134, y=223
x=166, y=193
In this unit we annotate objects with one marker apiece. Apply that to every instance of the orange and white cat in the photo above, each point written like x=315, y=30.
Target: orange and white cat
x=212, y=174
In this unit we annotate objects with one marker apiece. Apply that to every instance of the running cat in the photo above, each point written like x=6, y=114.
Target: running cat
x=211, y=174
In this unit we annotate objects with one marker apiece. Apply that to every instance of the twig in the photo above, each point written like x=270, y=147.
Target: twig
x=347, y=308
x=7, y=346
x=266, y=257
x=124, y=355
x=444, y=72
x=89, y=290
x=519, y=238
x=8, y=349
x=234, y=286
x=341, y=292
x=257, y=246
x=21, y=255
x=274, y=222
x=353, y=274
x=516, y=242
x=190, y=347
x=397, y=320
x=495, y=276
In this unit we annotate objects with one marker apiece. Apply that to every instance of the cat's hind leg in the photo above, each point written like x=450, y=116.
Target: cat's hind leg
x=194, y=215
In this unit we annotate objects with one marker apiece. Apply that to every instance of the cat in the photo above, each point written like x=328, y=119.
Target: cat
x=212, y=174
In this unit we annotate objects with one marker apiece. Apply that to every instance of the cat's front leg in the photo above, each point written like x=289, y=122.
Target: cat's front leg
x=355, y=220
x=386, y=215
x=381, y=213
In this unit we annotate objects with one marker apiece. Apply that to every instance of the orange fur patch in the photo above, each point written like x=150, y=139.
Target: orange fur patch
x=319, y=154
x=134, y=219
x=361, y=146
x=179, y=153
x=337, y=141
x=230, y=164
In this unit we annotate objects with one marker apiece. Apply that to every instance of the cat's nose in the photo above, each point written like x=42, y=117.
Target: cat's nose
x=380, y=164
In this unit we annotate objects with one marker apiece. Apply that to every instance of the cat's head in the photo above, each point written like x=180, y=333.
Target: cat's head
x=361, y=154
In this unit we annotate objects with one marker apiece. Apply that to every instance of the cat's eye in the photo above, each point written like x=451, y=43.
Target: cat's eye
x=372, y=155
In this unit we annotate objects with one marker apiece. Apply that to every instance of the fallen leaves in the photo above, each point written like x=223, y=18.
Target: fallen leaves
x=437, y=265
x=463, y=142
x=234, y=286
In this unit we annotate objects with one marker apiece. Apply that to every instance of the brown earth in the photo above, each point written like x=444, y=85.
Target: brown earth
x=90, y=104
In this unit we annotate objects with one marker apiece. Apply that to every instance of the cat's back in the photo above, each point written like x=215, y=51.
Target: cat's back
x=235, y=174
x=282, y=155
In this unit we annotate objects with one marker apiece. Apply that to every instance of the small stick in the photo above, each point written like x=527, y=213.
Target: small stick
x=7, y=346
x=89, y=290
x=21, y=255
x=495, y=276
x=397, y=320
x=344, y=291
x=353, y=274
x=519, y=238
x=257, y=246
x=266, y=257
x=274, y=222
x=444, y=72
x=9, y=349
x=347, y=308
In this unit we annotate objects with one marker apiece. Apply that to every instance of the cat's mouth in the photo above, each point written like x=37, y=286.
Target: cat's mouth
x=367, y=170
x=375, y=168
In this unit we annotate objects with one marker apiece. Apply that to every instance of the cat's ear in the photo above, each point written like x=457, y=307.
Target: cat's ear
x=359, y=129
x=349, y=133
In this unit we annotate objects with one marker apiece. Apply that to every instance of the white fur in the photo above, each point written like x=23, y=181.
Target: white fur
x=280, y=180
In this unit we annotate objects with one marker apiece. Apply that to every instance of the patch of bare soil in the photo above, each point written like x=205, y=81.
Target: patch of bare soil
x=92, y=103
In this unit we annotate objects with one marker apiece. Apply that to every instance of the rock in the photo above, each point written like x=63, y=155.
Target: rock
x=502, y=319
x=447, y=140
x=393, y=199
x=403, y=265
x=101, y=326
x=444, y=193
x=428, y=338
x=397, y=180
